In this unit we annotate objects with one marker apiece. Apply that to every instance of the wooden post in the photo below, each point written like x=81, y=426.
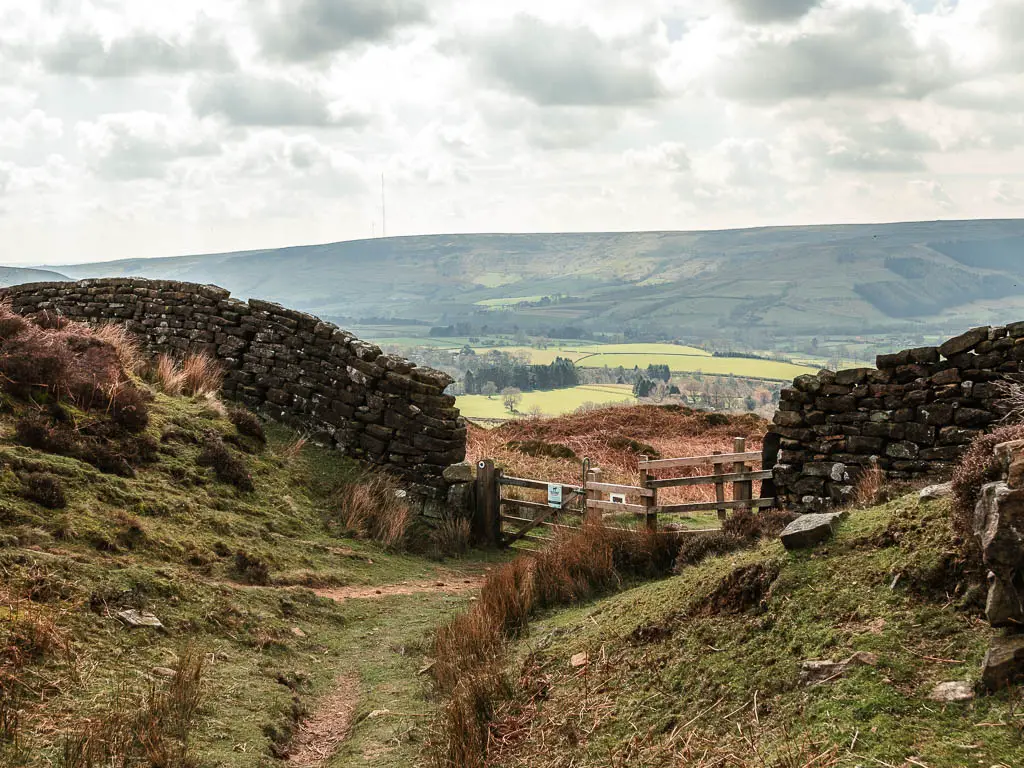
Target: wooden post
x=488, y=504
x=742, y=490
x=651, y=502
x=720, y=488
x=592, y=515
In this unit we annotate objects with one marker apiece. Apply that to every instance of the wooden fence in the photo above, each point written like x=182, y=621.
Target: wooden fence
x=596, y=499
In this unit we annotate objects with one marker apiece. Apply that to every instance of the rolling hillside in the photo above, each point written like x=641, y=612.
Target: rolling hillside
x=789, y=281
x=19, y=275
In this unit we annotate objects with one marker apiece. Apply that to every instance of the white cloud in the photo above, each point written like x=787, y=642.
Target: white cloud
x=268, y=101
x=140, y=145
x=36, y=126
x=133, y=129
x=86, y=53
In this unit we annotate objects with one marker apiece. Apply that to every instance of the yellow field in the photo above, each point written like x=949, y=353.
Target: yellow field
x=679, y=359
x=554, y=403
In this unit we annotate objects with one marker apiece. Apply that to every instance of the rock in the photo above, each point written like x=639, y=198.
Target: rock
x=999, y=527
x=1004, y=662
x=808, y=530
x=815, y=672
x=135, y=618
x=163, y=671
x=1003, y=607
x=958, y=690
x=580, y=660
x=297, y=631
x=965, y=342
x=862, y=658
x=459, y=473
x=933, y=492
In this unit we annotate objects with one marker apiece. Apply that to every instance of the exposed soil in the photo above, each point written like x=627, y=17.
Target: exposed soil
x=741, y=590
x=452, y=586
x=319, y=736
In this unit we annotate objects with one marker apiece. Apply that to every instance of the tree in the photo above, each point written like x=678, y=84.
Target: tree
x=489, y=388
x=511, y=397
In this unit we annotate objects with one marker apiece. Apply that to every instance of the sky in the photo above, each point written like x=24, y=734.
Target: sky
x=132, y=129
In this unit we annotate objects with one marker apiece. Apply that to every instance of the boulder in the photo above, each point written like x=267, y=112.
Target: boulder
x=808, y=530
x=1004, y=662
x=934, y=492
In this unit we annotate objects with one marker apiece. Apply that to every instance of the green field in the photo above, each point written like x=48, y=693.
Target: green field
x=679, y=359
x=554, y=403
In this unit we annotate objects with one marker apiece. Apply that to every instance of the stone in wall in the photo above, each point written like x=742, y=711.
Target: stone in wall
x=289, y=365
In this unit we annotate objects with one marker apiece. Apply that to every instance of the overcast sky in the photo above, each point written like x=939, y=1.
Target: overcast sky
x=132, y=129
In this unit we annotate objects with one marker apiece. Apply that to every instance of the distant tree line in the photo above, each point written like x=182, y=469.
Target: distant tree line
x=511, y=373
x=744, y=355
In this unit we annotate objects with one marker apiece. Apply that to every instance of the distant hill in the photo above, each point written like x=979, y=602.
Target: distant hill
x=18, y=275
x=785, y=281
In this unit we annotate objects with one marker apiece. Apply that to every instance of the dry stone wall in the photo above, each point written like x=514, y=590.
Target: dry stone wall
x=291, y=366
x=912, y=415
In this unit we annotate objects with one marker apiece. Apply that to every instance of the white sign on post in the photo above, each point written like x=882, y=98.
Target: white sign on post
x=555, y=496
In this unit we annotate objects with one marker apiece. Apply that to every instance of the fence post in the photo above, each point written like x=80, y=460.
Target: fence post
x=488, y=503
x=720, y=489
x=742, y=490
x=651, y=502
x=592, y=515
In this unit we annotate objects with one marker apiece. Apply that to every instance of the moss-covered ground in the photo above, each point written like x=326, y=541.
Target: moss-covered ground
x=230, y=574
x=704, y=668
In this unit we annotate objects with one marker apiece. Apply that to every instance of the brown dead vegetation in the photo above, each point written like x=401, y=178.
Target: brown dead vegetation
x=143, y=728
x=613, y=439
x=375, y=508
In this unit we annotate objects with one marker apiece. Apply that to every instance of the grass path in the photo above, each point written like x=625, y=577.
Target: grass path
x=375, y=710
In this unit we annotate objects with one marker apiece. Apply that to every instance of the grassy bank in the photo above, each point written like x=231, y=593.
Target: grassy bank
x=705, y=668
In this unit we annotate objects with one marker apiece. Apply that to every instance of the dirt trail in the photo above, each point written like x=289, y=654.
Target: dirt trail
x=451, y=585
x=320, y=735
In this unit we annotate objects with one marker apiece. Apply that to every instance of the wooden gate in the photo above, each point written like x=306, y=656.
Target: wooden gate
x=501, y=509
x=507, y=520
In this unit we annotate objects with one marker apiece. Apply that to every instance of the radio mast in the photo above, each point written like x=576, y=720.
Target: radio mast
x=383, y=209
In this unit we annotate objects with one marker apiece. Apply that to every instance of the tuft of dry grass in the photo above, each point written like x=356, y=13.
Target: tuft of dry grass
x=868, y=488
x=452, y=536
x=166, y=375
x=196, y=374
x=376, y=508
x=201, y=375
x=291, y=452
x=29, y=638
x=126, y=344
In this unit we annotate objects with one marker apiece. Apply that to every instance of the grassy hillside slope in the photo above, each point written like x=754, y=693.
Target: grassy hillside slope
x=117, y=497
x=705, y=668
x=19, y=275
x=787, y=280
